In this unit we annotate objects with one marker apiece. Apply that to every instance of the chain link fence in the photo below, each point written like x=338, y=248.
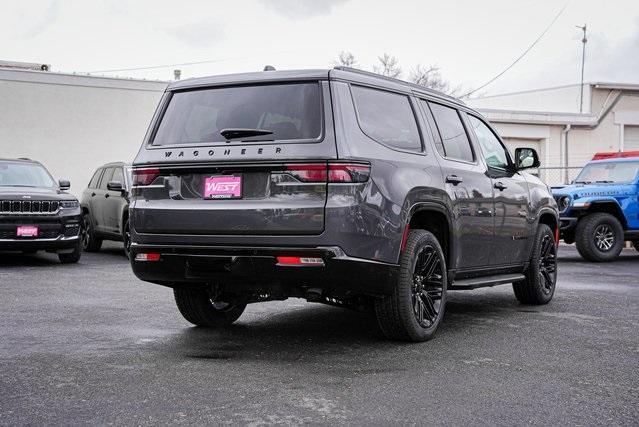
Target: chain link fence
x=558, y=175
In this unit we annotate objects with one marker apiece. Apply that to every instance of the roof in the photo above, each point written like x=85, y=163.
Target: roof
x=19, y=160
x=596, y=85
x=616, y=160
x=86, y=80
x=337, y=73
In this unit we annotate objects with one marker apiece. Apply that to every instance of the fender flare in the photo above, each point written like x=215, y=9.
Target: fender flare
x=440, y=207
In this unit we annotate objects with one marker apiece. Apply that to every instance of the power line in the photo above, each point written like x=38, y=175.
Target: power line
x=154, y=67
x=522, y=55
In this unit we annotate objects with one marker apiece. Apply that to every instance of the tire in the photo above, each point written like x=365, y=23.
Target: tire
x=599, y=237
x=416, y=308
x=126, y=239
x=541, y=275
x=636, y=245
x=196, y=306
x=90, y=242
x=72, y=257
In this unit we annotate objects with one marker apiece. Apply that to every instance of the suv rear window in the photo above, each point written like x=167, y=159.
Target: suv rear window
x=387, y=118
x=290, y=111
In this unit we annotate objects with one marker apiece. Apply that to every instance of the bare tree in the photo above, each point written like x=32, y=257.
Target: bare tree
x=388, y=66
x=346, y=59
x=431, y=78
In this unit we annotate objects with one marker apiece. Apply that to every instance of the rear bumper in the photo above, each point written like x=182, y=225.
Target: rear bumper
x=255, y=269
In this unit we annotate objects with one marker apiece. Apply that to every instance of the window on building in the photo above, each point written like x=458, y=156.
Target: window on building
x=456, y=144
x=387, y=118
x=494, y=152
x=631, y=138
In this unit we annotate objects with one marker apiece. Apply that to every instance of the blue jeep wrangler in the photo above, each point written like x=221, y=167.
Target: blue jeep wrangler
x=600, y=210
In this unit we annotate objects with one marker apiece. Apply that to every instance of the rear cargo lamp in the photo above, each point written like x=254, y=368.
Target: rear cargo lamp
x=145, y=176
x=153, y=256
x=331, y=172
x=302, y=261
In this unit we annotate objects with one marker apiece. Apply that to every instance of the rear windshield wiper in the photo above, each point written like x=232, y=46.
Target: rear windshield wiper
x=235, y=133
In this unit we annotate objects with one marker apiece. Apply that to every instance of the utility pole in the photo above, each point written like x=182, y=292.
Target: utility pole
x=584, y=40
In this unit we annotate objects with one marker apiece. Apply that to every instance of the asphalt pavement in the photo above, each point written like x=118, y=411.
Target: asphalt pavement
x=91, y=344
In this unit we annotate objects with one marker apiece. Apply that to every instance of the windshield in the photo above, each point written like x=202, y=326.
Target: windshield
x=14, y=174
x=287, y=111
x=608, y=172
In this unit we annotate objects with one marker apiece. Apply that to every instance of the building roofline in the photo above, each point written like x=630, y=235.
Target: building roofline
x=86, y=80
x=597, y=85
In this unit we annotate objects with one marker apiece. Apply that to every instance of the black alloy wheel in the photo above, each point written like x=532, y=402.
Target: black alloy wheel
x=427, y=286
x=538, y=286
x=547, y=265
x=126, y=238
x=415, y=308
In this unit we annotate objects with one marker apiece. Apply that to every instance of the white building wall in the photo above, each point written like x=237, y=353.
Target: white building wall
x=73, y=123
x=558, y=99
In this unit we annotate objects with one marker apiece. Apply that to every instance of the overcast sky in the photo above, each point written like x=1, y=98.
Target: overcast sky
x=470, y=40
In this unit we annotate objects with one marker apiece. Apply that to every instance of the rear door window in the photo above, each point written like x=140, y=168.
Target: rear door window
x=455, y=142
x=106, y=177
x=292, y=112
x=387, y=118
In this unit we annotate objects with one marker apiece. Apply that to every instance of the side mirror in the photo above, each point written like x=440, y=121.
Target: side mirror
x=64, y=184
x=526, y=158
x=115, y=186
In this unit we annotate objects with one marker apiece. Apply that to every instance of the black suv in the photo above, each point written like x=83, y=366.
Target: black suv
x=338, y=186
x=36, y=213
x=105, y=207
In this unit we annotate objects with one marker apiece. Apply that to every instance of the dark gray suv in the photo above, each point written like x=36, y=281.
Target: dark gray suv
x=339, y=186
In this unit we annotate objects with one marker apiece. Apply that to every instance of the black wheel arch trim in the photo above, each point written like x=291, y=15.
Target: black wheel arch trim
x=437, y=206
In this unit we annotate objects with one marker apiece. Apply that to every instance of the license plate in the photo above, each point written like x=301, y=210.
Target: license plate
x=27, y=231
x=223, y=187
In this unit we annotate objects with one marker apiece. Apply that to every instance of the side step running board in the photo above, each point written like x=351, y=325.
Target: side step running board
x=480, y=282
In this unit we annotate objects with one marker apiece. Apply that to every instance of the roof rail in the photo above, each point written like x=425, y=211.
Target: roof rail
x=404, y=82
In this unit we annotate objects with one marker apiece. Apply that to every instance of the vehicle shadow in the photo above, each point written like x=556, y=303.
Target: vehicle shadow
x=12, y=259
x=314, y=330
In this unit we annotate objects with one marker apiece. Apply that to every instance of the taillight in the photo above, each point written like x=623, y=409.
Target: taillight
x=331, y=172
x=308, y=172
x=348, y=172
x=145, y=176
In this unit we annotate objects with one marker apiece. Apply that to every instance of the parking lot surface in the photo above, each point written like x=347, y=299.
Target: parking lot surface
x=89, y=343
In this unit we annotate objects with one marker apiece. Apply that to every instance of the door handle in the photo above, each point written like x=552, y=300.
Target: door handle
x=106, y=196
x=454, y=179
x=92, y=194
x=500, y=186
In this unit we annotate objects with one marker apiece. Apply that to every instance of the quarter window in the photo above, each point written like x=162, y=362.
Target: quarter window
x=455, y=142
x=494, y=152
x=95, y=179
x=387, y=118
